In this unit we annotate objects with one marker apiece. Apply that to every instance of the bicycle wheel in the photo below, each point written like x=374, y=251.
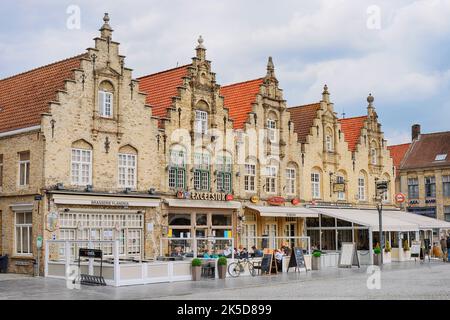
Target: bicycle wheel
x=234, y=269
x=251, y=269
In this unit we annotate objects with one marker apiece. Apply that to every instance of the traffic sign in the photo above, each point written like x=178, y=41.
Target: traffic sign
x=400, y=197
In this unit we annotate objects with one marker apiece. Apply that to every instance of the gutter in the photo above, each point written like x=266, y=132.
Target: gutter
x=19, y=131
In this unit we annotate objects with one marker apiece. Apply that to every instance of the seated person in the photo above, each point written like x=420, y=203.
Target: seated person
x=256, y=252
x=227, y=252
x=207, y=254
x=279, y=259
x=243, y=254
x=176, y=252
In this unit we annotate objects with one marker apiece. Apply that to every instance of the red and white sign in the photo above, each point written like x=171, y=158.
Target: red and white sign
x=276, y=201
x=400, y=197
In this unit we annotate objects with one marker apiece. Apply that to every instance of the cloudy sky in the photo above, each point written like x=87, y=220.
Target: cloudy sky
x=397, y=50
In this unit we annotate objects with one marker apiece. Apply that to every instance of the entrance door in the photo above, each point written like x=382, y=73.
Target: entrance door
x=289, y=232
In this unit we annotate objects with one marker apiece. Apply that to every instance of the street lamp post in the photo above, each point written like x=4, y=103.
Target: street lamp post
x=380, y=221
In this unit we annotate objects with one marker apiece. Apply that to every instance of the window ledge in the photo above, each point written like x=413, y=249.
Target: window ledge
x=23, y=257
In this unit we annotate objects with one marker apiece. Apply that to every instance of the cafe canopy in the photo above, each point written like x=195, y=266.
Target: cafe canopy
x=292, y=212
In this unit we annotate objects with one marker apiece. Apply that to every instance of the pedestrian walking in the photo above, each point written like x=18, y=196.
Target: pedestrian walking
x=444, y=248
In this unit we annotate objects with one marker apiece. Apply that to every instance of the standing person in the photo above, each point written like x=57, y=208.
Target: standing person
x=444, y=247
x=448, y=246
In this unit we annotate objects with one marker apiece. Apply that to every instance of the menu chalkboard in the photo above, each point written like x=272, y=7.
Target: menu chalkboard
x=266, y=263
x=297, y=259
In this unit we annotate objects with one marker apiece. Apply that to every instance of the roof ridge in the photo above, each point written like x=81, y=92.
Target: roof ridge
x=400, y=144
x=242, y=82
x=435, y=133
x=357, y=117
x=44, y=66
x=305, y=105
x=164, y=71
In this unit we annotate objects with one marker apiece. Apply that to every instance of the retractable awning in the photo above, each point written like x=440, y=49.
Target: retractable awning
x=422, y=221
x=182, y=203
x=292, y=212
x=369, y=218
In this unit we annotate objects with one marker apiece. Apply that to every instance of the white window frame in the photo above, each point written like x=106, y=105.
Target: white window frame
x=291, y=179
x=129, y=170
x=373, y=156
x=271, y=130
x=201, y=121
x=329, y=143
x=362, y=188
x=271, y=230
x=250, y=177
x=106, y=103
x=29, y=229
x=78, y=180
x=24, y=165
x=315, y=185
x=271, y=179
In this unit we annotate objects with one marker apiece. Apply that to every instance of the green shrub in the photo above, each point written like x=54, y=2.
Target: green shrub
x=317, y=254
x=377, y=249
x=387, y=247
x=222, y=261
x=406, y=245
x=196, y=262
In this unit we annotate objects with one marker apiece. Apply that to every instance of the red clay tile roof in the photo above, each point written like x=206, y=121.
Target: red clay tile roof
x=25, y=96
x=398, y=152
x=423, y=151
x=161, y=87
x=351, y=127
x=302, y=117
x=238, y=98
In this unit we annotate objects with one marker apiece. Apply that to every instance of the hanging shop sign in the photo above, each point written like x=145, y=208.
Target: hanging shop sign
x=295, y=201
x=254, y=199
x=339, y=187
x=276, y=201
x=52, y=221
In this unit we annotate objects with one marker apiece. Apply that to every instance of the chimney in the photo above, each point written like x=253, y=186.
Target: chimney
x=415, y=131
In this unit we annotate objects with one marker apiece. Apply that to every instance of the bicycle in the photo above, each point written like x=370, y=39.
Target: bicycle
x=235, y=268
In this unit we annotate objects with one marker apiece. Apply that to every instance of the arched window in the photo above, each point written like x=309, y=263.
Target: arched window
x=315, y=184
x=127, y=164
x=106, y=99
x=361, y=187
x=177, y=168
x=81, y=163
x=224, y=173
x=202, y=166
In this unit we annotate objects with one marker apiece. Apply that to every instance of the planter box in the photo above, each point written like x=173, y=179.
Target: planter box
x=316, y=263
x=222, y=271
x=377, y=259
x=196, y=273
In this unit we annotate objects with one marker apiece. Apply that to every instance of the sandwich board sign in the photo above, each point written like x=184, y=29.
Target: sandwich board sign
x=348, y=256
x=415, y=249
x=297, y=259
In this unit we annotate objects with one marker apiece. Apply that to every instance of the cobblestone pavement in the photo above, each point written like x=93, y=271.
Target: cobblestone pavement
x=410, y=280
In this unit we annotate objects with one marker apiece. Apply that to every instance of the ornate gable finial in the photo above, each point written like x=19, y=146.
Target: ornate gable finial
x=370, y=108
x=200, y=49
x=270, y=68
x=106, y=30
x=325, y=94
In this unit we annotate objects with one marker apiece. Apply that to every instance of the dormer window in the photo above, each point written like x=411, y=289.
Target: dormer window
x=201, y=122
x=440, y=157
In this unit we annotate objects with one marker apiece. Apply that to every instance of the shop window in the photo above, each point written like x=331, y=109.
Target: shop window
x=224, y=174
x=127, y=170
x=248, y=235
x=201, y=219
x=271, y=177
x=329, y=240
x=344, y=236
x=201, y=171
x=430, y=187
x=177, y=169
x=327, y=221
x=315, y=185
x=221, y=220
x=81, y=167
x=179, y=219
x=362, y=239
x=24, y=168
x=413, y=188
x=312, y=222
x=249, y=178
x=343, y=223
x=446, y=186
x=290, y=180
x=394, y=239
x=201, y=122
x=314, y=238
x=23, y=233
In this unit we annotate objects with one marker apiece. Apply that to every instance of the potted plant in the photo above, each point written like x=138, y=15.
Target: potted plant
x=196, y=269
x=316, y=260
x=387, y=252
x=222, y=266
x=406, y=245
x=376, y=255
